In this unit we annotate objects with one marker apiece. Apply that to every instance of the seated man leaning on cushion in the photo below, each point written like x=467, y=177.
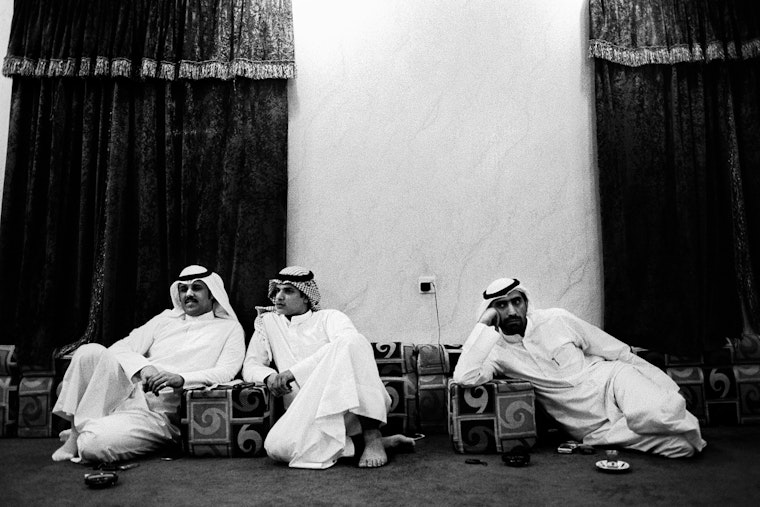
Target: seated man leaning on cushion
x=327, y=375
x=590, y=382
x=121, y=399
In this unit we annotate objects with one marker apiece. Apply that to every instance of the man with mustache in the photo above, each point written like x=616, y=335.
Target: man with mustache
x=326, y=373
x=591, y=383
x=122, y=400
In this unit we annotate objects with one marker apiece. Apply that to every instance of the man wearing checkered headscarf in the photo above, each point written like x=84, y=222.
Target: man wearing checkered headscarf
x=590, y=382
x=300, y=278
x=122, y=400
x=327, y=376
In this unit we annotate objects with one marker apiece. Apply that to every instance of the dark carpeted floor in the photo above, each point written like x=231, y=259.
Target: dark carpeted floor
x=726, y=474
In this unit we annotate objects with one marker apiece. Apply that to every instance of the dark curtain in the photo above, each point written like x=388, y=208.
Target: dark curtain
x=119, y=175
x=678, y=131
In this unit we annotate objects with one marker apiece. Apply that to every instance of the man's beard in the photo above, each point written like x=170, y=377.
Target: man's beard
x=513, y=325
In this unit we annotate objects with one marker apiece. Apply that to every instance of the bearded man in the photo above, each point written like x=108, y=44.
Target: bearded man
x=590, y=382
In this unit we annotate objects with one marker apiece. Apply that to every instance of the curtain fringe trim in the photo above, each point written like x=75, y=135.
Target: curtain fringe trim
x=682, y=53
x=237, y=68
x=149, y=68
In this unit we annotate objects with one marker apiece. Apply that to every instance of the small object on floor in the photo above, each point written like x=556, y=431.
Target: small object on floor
x=612, y=463
x=517, y=457
x=472, y=461
x=568, y=447
x=612, y=466
x=101, y=480
x=112, y=467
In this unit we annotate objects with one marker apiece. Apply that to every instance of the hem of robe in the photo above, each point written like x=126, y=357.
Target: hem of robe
x=616, y=430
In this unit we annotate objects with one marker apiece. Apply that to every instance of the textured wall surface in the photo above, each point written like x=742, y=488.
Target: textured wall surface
x=450, y=138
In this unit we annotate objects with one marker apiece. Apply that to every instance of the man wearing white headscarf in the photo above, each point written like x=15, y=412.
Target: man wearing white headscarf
x=590, y=382
x=122, y=400
x=327, y=376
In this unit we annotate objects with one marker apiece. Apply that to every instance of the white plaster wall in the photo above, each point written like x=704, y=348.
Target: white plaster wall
x=6, y=15
x=451, y=138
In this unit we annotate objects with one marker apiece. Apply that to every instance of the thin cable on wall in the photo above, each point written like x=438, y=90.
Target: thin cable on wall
x=441, y=354
x=437, y=317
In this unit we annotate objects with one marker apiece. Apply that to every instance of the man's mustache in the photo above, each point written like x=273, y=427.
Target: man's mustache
x=190, y=298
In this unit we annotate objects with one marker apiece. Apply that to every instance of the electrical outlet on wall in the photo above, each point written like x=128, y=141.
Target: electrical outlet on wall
x=426, y=284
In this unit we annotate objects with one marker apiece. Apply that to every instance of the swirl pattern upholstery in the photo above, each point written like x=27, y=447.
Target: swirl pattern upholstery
x=227, y=421
x=397, y=365
x=9, y=377
x=495, y=417
x=35, y=402
x=720, y=386
x=27, y=397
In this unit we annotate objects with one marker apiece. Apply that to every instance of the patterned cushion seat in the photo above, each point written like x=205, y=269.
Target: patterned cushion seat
x=495, y=417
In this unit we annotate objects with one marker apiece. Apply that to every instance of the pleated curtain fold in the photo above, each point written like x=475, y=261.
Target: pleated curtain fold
x=677, y=86
x=144, y=136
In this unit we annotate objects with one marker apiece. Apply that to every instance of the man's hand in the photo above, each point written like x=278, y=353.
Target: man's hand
x=154, y=380
x=279, y=383
x=490, y=318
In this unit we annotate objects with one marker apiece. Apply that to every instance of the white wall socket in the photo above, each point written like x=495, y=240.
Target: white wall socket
x=426, y=284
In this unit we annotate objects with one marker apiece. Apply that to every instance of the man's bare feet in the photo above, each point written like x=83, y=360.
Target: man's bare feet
x=64, y=435
x=399, y=442
x=375, y=444
x=69, y=449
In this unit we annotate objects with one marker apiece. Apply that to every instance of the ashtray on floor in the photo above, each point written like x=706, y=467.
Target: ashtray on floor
x=613, y=466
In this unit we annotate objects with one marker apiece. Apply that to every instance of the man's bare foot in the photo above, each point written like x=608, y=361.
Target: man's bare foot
x=69, y=449
x=375, y=444
x=374, y=450
x=399, y=442
x=64, y=435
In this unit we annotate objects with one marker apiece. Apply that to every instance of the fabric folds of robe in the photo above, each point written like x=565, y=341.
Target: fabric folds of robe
x=645, y=416
x=315, y=431
x=115, y=419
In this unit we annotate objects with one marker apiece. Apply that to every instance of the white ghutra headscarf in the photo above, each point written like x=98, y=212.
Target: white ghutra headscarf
x=501, y=288
x=221, y=308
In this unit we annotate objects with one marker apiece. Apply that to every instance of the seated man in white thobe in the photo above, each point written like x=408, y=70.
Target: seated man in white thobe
x=328, y=377
x=591, y=383
x=122, y=400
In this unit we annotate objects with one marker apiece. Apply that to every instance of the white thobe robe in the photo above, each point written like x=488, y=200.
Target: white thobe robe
x=336, y=380
x=587, y=380
x=101, y=392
